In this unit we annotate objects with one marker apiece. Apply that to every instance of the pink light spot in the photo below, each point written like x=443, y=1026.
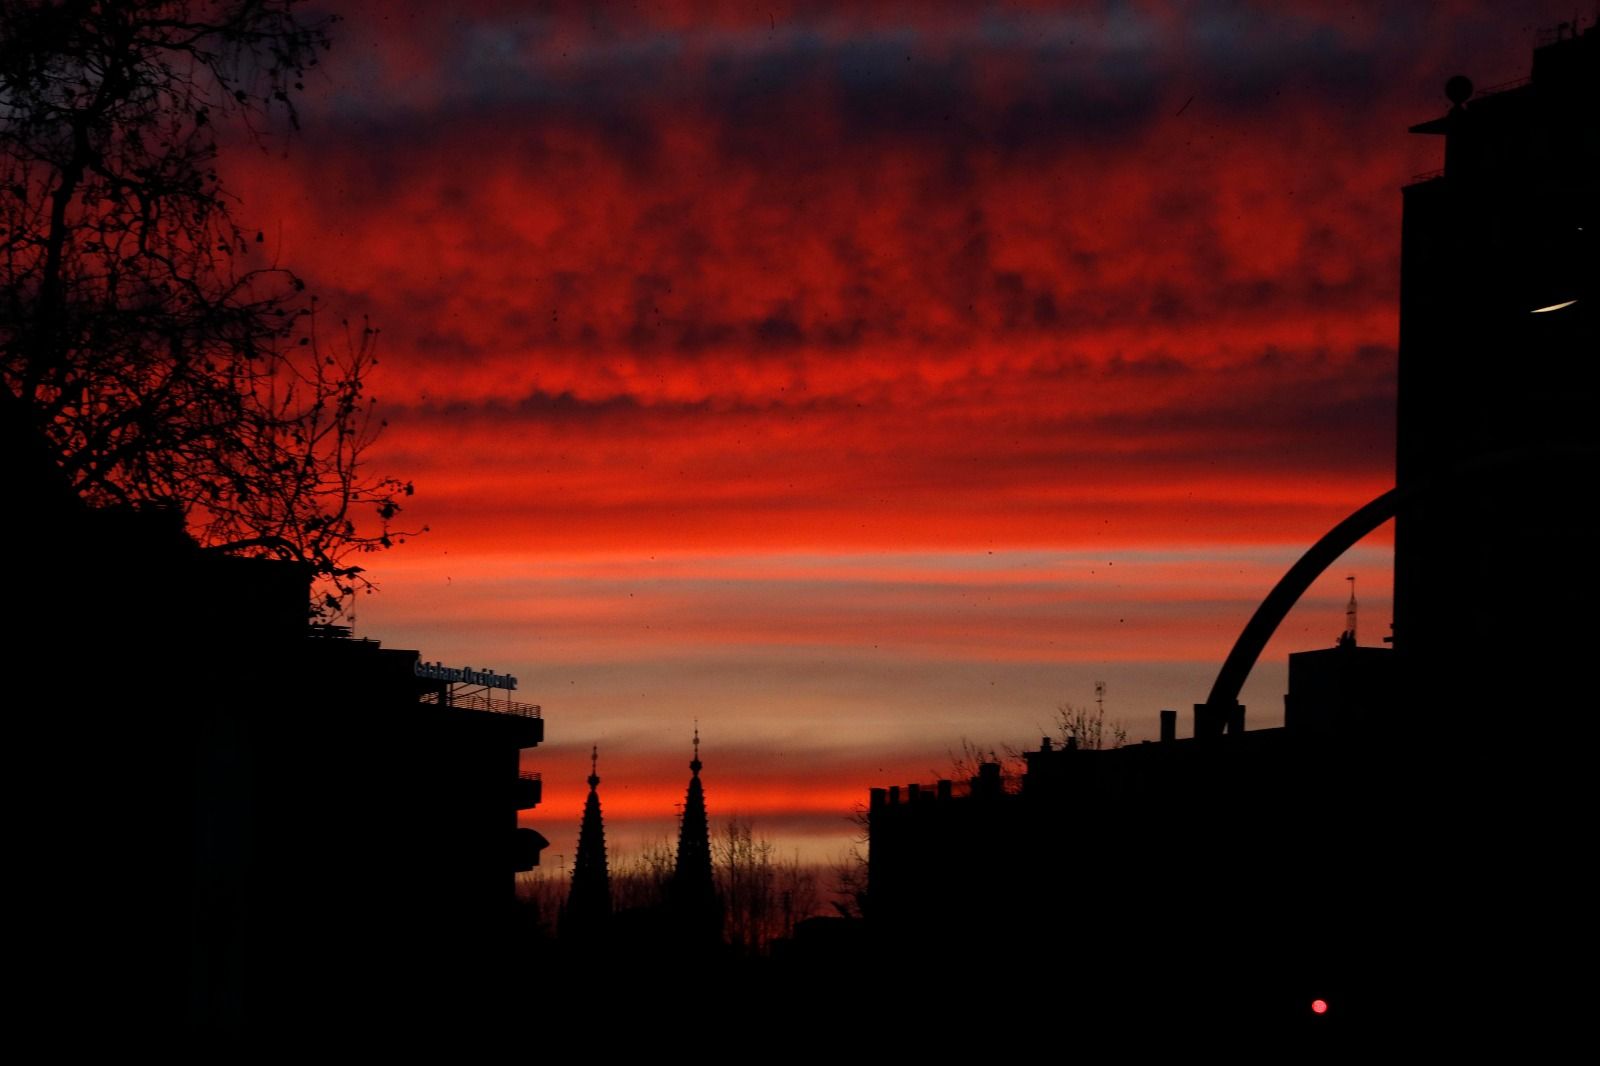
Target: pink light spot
x=1319, y=1006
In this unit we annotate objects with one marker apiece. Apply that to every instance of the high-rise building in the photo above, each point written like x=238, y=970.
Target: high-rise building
x=1497, y=433
x=237, y=825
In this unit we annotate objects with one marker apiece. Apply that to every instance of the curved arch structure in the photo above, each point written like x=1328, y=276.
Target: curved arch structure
x=1221, y=710
x=1253, y=639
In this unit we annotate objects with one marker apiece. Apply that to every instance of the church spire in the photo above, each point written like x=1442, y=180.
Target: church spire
x=692, y=892
x=589, y=902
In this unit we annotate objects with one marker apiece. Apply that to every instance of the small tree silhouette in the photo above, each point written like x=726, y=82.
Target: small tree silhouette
x=849, y=881
x=763, y=896
x=965, y=762
x=1088, y=727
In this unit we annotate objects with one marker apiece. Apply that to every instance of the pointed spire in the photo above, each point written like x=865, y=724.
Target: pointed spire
x=589, y=901
x=692, y=892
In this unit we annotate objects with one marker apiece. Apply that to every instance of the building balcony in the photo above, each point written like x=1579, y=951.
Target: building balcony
x=530, y=713
x=530, y=789
x=525, y=849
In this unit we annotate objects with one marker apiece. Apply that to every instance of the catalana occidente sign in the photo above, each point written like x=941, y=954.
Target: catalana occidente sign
x=464, y=675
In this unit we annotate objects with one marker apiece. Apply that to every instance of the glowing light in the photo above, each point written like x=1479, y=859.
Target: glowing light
x=1552, y=307
x=1319, y=1006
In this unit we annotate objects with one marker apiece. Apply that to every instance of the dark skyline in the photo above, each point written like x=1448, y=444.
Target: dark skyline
x=954, y=395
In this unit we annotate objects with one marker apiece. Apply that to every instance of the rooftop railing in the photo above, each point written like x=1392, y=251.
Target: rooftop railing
x=475, y=702
x=1514, y=83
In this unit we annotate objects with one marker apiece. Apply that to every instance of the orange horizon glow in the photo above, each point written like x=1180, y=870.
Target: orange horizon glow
x=856, y=379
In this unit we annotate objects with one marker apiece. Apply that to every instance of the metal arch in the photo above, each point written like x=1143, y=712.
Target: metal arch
x=1575, y=462
x=1287, y=592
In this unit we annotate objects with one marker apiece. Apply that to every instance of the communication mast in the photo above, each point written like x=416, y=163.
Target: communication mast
x=1349, y=636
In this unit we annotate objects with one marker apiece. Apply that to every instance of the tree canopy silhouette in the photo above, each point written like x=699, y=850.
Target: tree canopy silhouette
x=151, y=339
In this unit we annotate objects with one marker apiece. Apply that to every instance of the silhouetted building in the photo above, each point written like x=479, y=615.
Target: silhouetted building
x=1346, y=687
x=1166, y=881
x=588, y=910
x=692, y=893
x=241, y=825
x=1495, y=586
x=1389, y=850
x=1497, y=430
x=430, y=884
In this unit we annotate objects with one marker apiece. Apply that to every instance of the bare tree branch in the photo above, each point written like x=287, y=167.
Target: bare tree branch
x=165, y=362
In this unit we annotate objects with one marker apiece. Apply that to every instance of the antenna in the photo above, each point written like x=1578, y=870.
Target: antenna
x=1350, y=614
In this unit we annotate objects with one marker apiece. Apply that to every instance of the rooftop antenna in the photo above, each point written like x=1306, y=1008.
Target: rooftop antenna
x=1350, y=614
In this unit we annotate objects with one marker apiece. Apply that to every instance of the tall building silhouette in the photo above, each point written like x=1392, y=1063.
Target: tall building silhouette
x=1495, y=586
x=692, y=892
x=286, y=826
x=1497, y=431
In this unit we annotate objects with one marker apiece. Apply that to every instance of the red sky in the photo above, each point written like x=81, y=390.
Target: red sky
x=857, y=378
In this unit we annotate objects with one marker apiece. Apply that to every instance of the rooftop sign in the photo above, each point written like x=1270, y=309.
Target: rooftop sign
x=463, y=675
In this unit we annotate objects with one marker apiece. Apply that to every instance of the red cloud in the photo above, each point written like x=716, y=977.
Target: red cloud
x=814, y=279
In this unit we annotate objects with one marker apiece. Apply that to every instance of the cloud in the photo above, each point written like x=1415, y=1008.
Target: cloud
x=823, y=280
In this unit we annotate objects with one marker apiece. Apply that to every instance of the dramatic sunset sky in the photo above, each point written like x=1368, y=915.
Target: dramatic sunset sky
x=856, y=378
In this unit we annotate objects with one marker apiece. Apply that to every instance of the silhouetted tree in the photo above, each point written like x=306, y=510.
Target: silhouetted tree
x=640, y=881
x=164, y=356
x=1088, y=727
x=540, y=895
x=762, y=896
x=849, y=875
x=964, y=762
